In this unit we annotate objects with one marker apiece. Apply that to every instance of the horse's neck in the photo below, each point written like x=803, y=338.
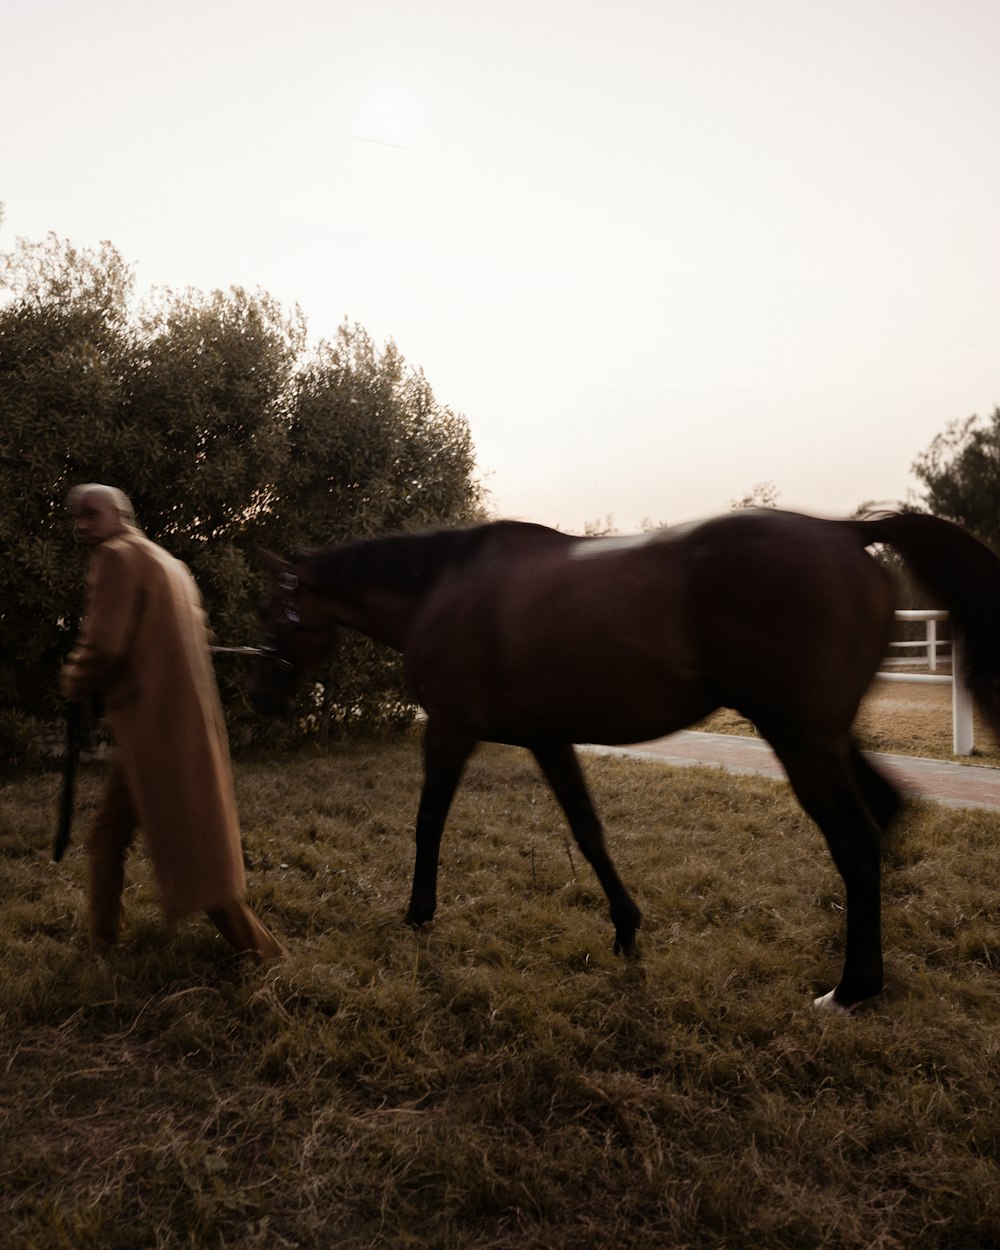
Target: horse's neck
x=381, y=583
x=377, y=612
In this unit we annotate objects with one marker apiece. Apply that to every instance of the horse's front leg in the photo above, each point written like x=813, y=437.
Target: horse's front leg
x=561, y=769
x=446, y=751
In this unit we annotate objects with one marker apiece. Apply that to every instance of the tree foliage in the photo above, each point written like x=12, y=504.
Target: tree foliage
x=64, y=344
x=368, y=449
x=202, y=412
x=227, y=430
x=961, y=476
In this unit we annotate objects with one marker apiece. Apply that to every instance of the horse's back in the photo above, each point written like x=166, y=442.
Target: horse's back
x=618, y=639
x=545, y=634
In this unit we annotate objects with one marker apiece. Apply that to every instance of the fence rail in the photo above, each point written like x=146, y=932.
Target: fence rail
x=961, y=700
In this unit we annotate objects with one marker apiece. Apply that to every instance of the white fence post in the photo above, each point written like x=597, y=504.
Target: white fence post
x=961, y=704
x=961, y=700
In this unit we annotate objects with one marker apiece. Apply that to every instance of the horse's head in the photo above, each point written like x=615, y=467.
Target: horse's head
x=298, y=632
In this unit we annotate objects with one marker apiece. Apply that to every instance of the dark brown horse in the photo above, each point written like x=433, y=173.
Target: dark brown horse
x=519, y=634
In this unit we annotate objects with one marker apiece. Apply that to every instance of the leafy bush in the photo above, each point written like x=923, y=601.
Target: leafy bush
x=227, y=431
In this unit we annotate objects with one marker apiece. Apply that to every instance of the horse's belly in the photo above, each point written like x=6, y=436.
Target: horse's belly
x=563, y=659
x=606, y=707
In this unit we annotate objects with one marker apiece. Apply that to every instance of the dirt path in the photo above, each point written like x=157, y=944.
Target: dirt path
x=909, y=726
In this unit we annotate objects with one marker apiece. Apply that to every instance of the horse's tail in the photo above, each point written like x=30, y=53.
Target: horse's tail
x=963, y=575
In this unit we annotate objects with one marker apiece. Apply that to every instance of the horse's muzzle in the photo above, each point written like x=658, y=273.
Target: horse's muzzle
x=269, y=703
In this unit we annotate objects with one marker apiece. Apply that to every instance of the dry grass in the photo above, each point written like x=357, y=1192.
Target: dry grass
x=501, y=1081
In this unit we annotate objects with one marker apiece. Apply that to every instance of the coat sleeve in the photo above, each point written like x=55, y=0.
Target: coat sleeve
x=102, y=650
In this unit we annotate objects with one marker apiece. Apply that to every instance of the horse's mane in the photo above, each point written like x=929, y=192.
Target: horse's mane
x=406, y=560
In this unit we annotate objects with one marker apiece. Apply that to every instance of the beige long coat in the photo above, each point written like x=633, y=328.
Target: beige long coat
x=144, y=647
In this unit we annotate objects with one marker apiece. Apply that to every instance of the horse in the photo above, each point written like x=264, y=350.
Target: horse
x=515, y=633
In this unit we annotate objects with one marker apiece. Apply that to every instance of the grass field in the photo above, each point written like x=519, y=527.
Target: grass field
x=500, y=1080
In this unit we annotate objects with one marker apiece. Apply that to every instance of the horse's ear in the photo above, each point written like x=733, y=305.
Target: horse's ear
x=271, y=561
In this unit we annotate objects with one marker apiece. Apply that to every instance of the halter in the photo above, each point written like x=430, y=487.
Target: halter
x=288, y=584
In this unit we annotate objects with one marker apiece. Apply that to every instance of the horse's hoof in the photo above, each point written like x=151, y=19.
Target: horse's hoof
x=625, y=934
x=827, y=1002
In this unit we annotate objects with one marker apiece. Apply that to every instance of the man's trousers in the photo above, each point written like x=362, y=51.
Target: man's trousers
x=111, y=834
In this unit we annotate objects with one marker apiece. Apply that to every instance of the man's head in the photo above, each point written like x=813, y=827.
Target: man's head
x=99, y=512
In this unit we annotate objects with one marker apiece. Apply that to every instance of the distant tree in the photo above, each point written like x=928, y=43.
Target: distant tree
x=763, y=495
x=960, y=471
x=599, y=528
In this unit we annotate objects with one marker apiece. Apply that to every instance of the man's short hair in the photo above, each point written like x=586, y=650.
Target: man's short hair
x=117, y=498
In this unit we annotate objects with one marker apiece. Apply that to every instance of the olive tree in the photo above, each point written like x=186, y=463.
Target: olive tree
x=367, y=450
x=205, y=401
x=227, y=432
x=65, y=344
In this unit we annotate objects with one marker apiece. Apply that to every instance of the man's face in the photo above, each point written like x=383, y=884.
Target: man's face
x=96, y=519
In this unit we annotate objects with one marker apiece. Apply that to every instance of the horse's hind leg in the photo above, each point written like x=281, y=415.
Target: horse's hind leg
x=446, y=752
x=561, y=770
x=836, y=791
x=880, y=796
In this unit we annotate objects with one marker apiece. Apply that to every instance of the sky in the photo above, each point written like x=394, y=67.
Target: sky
x=657, y=252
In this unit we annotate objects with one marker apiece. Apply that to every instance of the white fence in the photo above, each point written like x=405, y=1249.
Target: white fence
x=961, y=701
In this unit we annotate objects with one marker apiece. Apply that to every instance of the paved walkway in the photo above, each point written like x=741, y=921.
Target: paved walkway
x=940, y=781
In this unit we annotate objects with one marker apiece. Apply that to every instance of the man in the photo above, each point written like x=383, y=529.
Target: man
x=144, y=648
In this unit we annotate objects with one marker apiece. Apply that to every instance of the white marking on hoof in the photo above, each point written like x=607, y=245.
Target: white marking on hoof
x=827, y=1002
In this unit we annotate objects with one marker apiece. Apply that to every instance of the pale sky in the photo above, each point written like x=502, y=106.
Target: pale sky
x=655, y=251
